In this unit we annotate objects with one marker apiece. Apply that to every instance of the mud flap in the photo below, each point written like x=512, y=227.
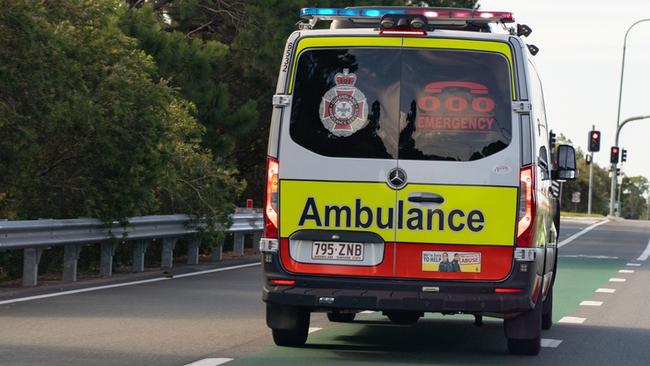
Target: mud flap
x=526, y=325
x=285, y=317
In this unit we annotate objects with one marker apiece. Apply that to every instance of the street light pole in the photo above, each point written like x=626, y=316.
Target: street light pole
x=618, y=116
x=612, y=194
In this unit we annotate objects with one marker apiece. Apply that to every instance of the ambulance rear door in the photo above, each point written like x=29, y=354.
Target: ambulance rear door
x=459, y=150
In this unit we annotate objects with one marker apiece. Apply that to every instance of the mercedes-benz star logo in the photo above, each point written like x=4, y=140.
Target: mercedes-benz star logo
x=397, y=178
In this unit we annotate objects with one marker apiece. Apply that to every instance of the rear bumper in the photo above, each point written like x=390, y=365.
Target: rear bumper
x=396, y=300
x=323, y=293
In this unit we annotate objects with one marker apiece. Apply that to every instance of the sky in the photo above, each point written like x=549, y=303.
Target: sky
x=581, y=47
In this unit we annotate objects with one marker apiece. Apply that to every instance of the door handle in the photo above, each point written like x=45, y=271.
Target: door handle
x=425, y=197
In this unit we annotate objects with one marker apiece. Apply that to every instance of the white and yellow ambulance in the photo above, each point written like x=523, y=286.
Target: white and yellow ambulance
x=410, y=170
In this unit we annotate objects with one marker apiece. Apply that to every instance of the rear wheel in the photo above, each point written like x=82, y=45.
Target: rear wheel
x=336, y=316
x=547, y=313
x=403, y=317
x=529, y=347
x=524, y=332
x=289, y=325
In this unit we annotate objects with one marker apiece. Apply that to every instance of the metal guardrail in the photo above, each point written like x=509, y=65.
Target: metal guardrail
x=34, y=236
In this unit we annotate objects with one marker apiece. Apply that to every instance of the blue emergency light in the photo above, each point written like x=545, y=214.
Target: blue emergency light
x=429, y=13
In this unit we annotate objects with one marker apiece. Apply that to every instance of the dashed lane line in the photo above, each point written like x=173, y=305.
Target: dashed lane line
x=645, y=254
x=591, y=303
x=615, y=279
x=125, y=284
x=633, y=264
x=581, y=233
x=625, y=271
x=606, y=290
x=210, y=362
x=368, y=312
x=551, y=343
x=313, y=329
x=572, y=320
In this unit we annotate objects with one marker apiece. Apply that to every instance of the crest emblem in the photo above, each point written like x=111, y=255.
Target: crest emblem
x=344, y=109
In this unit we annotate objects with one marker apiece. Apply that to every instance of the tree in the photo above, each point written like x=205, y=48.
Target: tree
x=253, y=34
x=88, y=127
x=633, y=201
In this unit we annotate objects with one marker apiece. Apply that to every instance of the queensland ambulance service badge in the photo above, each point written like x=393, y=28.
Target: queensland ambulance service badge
x=344, y=109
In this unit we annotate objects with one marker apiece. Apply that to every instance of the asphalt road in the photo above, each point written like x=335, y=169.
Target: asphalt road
x=219, y=315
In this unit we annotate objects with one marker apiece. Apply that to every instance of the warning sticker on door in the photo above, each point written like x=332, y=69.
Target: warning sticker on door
x=451, y=261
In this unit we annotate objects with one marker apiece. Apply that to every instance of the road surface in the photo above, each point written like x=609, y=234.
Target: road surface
x=601, y=310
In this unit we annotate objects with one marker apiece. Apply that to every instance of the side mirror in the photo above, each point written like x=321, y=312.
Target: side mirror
x=565, y=169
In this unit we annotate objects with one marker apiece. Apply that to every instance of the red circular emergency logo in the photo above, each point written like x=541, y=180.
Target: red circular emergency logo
x=343, y=109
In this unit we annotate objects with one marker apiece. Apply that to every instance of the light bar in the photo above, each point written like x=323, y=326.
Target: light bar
x=429, y=13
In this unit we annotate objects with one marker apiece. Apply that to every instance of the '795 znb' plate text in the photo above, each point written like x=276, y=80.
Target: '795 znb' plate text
x=337, y=251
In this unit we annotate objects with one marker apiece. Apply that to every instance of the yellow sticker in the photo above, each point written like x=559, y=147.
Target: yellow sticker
x=469, y=215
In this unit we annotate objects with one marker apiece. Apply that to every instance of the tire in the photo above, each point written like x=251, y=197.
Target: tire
x=547, y=311
x=524, y=332
x=527, y=347
x=403, y=317
x=296, y=335
x=335, y=316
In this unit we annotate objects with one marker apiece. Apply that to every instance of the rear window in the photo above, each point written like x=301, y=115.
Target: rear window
x=419, y=104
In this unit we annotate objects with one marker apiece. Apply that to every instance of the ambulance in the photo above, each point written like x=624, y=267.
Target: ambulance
x=411, y=170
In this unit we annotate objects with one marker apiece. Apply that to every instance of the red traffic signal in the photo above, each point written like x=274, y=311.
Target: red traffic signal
x=594, y=141
x=613, y=156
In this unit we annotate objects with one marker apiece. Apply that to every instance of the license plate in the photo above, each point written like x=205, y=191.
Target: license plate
x=337, y=251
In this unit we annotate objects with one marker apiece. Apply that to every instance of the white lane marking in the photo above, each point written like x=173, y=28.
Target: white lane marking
x=367, y=312
x=192, y=274
x=572, y=320
x=580, y=233
x=551, y=343
x=615, y=279
x=588, y=256
x=125, y=284
x=312, y=330
x=625, y=271
x=645, y=254
x=606, y=290
x=633, y=264
x=210, y=362
x=591, y=303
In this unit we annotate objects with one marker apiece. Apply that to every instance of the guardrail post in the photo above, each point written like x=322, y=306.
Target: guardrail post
x=217, y=251
x=107, y=251
x=257, y=236
x=139, y=250
x=238, y=246
x=167, y=256
x=193, y=245
x=70, y=259
x=31, y=259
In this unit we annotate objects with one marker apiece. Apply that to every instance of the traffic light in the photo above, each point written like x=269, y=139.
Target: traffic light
x=613, y=156
x=594, y=141
x=618, y=172
x=623, y=156
x=552, y=140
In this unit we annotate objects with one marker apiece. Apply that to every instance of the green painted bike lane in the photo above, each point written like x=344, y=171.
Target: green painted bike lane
x=435, y=339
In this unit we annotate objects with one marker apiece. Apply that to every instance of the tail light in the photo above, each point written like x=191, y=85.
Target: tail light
x=271, y=199
x=526, y=213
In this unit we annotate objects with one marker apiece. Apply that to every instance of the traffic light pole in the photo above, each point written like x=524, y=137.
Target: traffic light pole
x=591, y=175
x=612, y=192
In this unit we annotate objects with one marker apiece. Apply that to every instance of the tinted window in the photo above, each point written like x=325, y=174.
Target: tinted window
x=406, y=103
x=457, y=105
x=354, y=116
